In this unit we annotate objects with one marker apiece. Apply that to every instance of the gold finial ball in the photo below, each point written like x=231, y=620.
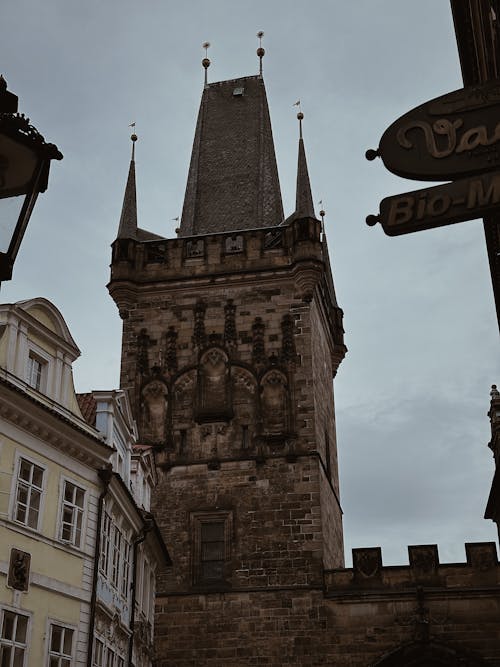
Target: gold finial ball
x=205, y=62
x=300, y=115
x=261, y=52
x=322, y=213
x=133, y=137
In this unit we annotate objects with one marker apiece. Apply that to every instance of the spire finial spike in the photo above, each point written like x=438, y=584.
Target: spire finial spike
x=133, y=139
x=322, y=215
x=260, y=50
x=206, y=62
x=300, y=117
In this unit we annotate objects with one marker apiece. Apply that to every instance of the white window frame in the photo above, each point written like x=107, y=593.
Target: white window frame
x=55, y=622
x=106, y=536
x=16, y=481
x=126, y=567
x=62, y=503
x=110, y=654
x=44, y=359
x=12, y=643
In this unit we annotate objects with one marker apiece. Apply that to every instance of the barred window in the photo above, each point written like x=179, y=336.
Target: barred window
x=212, y=550
x=212, y=534
x=13, y=639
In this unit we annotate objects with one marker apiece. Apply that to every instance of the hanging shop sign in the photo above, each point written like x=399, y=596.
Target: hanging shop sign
x=441, y=205
x=452, y=136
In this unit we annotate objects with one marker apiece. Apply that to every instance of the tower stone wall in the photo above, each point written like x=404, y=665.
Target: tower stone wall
x=231, y=342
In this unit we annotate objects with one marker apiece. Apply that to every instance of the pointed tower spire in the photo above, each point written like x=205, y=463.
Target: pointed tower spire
x=233, y=179
x=304, y=206
x=128, y=219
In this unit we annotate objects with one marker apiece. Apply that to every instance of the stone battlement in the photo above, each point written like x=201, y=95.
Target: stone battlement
x=369, y=576
x=190, y=256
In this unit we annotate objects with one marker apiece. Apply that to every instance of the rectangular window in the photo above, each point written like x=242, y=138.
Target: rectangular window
x=28, y=496
x=72, y=514
x=115, y=562
x=212, y=550
x=60, y=646
x=212, y=545
x=35, y=367
x=105, y=543
x=98, y=660
x=13, y=639
x=126, y=569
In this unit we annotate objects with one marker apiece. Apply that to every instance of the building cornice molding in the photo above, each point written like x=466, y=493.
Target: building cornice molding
x=51, y=422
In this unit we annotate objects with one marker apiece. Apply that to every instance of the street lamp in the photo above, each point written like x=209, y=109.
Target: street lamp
x=24, y=172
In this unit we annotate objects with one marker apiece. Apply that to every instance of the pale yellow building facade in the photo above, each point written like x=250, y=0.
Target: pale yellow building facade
x=49, y=493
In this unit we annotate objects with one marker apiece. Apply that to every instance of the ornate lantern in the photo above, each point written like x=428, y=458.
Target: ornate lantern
x=24, y=172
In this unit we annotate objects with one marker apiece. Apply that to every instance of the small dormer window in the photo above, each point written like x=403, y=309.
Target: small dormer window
x=238, y=92
x=36, y=372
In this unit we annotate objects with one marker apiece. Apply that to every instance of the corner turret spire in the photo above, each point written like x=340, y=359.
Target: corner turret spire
x=128, y=219
x=304, y=207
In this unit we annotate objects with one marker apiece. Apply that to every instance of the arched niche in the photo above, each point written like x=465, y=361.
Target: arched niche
x=214, y=386
x=274, y=399
x=245, y=405
x=154, y=411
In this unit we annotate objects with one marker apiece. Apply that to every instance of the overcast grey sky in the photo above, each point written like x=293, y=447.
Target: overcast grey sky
x=413, y=391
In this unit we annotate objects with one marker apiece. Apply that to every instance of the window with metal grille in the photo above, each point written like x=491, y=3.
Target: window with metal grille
x=212, y=550
x=13, y=639
x=211, y=546
x=72, y=514
x=28, y=496
x=60, y=646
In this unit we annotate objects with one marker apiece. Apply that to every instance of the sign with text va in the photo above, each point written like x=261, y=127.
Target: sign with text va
x=451, y=137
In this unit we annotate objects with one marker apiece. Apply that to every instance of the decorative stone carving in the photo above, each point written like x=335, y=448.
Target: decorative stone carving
x=288, y=352
x=233, y=244
x=230, y=334
x=155, y=405
x=183, y=394
x=245, y=404
x=274, y=403
x=19, y=570
x=424, y=559
x=171, y=352
x=199, y=334
x=258, y=349
x=195, y=248
x=143, y=343
x=367, y=563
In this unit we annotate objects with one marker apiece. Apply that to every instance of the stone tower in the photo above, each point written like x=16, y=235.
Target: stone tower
x=231, y=339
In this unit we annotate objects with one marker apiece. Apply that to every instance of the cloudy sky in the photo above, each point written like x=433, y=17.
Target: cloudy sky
x=413, y=391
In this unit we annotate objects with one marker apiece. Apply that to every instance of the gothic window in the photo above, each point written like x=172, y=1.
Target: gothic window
x=212, y=534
